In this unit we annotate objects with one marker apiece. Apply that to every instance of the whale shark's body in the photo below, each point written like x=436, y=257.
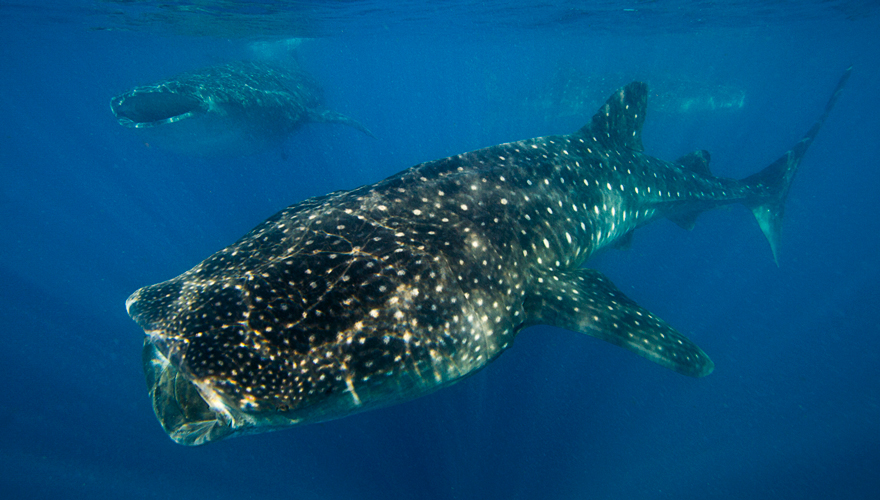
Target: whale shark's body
x=236, y=108
x=369, y=297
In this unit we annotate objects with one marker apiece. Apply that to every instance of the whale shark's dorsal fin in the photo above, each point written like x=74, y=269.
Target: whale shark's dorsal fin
x=696, y=161
x=619, y=122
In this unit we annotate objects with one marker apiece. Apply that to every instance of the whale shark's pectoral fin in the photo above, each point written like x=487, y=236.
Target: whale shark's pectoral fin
x=328, y=116
x=586, y=301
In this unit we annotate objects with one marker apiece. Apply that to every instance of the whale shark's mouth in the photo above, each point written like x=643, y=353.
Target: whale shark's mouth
x=152, y=106
x=190, y=414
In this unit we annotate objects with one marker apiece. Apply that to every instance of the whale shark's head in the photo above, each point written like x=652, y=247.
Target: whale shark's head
x=151, y=106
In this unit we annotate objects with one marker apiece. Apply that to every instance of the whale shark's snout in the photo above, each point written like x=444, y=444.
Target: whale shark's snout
x=145, y=107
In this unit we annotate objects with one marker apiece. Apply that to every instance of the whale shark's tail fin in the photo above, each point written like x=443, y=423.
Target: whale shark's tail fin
x=771, y=185
x=327, y=116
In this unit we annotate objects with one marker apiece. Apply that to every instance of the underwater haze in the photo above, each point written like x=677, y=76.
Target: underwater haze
x=92, y=211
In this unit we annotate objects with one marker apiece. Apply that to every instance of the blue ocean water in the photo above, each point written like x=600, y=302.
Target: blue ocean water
x=90, y=212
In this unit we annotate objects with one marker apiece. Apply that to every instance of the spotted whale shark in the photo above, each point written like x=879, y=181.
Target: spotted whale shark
x=374, y=296
x=235, y=108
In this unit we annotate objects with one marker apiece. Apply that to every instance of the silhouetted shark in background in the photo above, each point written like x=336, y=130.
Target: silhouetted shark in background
x=572, y=91
x=236, y=108
x=384, y=293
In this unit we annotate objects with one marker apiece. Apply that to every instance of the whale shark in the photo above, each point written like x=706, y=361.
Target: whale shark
x=571, y=92
x=233, y=109
x=365, y=298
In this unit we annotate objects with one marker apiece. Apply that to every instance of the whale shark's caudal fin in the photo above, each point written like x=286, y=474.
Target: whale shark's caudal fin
x=772, y=184
x=327, y=116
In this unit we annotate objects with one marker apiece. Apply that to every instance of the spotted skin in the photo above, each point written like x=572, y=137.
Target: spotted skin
x=238, y=107
x=374, y=296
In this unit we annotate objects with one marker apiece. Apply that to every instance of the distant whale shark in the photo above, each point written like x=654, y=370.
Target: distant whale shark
x=572, y=92
x=236, y=108
x=366, y=298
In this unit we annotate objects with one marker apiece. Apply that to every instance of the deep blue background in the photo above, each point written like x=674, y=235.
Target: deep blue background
x=89, y=213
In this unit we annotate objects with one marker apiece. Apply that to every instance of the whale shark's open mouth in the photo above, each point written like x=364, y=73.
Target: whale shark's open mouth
x=188, y=414
x=152, y=106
